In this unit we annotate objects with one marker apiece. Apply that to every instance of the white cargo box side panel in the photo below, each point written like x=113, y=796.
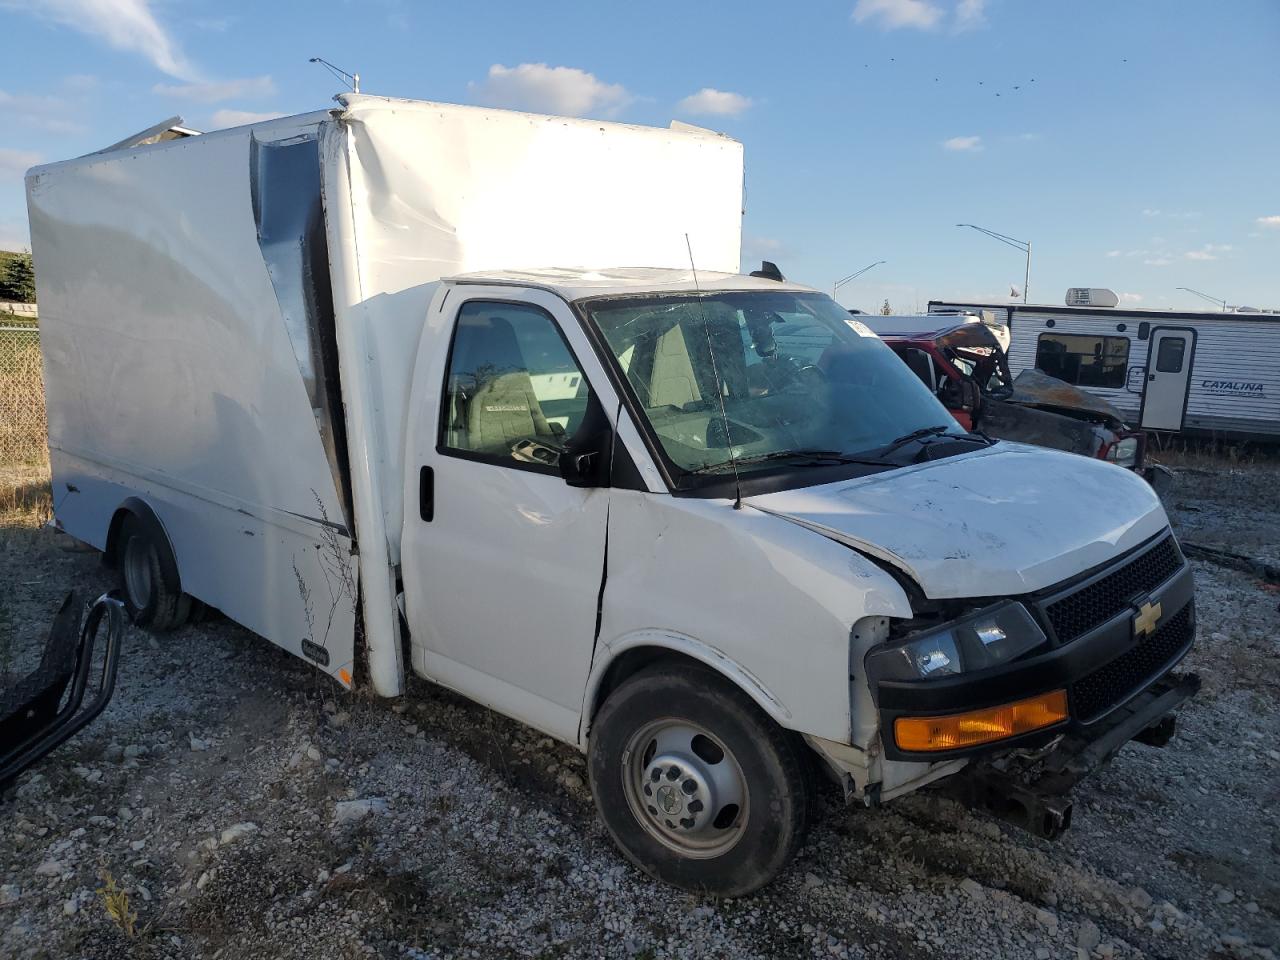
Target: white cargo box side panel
x=418, y=191
x=170, y=377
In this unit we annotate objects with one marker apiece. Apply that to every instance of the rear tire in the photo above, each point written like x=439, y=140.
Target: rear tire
x=696, y=785
x=151, y=598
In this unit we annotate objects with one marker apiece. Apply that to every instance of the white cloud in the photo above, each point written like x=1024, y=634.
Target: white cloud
x=893, y=14
x=1158, y=262
x=1269, y=221
x=717, y=102
x=238, y=118
x=218, y=91
x=51, y=114
x=214, y=24
x=963, y=143
x=1131, y=298
x=539, y=88
x=1171, y=214
x=1114, y=253
x=970, y=14
x=14, y=163
x=1209, y=251
x=128, y=25
x=81, y=82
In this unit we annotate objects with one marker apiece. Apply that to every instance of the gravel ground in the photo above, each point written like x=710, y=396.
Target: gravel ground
x=248, y=809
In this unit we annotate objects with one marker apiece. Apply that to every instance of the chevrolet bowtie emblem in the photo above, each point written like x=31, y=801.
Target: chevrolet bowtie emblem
x=1146, y=618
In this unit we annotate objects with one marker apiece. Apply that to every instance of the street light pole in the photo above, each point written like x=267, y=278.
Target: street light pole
x=1023, y=245
x=1204, y=296
x=853, y=276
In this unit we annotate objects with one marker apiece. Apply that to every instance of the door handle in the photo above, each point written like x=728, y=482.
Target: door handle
x=1151, y=376
x=427, y=494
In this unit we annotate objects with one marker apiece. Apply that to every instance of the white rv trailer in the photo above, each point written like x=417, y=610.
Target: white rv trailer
x=1200, y=372
x=416, y=362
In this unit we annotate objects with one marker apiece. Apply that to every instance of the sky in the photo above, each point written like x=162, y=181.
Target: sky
x=1134, y=143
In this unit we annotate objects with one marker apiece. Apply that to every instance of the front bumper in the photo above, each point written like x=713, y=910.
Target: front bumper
x=1036, y=799
x=1102, y=665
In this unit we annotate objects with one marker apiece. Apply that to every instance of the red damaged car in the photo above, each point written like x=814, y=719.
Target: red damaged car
x=962, y=360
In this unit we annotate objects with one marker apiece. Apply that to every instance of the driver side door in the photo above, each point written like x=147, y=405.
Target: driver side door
x=503, y=564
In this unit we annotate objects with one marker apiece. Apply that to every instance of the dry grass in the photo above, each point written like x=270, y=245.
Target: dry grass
x=26, y=500
x=1210, y=453
x=25, y=505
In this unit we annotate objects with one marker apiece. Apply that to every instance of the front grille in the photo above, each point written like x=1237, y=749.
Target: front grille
x=1124, y=676
x=1095, y=604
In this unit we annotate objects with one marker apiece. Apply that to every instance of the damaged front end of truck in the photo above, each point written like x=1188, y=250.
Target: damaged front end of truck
x=1006, y=704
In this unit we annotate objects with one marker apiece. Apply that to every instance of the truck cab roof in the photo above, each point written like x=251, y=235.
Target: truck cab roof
x=579, y=283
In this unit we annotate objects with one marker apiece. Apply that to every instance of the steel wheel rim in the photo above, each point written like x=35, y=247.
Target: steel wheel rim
x=137, y=571
x=685, y=788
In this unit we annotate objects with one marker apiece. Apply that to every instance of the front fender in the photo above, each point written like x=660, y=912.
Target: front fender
x=609, y=653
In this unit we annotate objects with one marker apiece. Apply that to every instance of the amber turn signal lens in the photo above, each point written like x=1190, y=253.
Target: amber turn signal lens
x=959, y=730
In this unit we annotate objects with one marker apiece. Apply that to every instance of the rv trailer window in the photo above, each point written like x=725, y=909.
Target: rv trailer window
x=1086, y=361
x=1169, y=355
x=514, y=395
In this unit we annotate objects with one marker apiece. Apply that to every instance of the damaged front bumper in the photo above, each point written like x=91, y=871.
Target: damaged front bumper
x=1112, y=638
x=1031, y=791
x=1099, y=666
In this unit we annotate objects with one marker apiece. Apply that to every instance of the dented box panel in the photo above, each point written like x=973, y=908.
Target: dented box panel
x=178, y=370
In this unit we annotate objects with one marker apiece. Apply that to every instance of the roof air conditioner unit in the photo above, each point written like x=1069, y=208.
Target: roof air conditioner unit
x=1091, y=297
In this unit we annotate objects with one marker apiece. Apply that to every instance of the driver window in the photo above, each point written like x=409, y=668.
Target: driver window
x=514, y=395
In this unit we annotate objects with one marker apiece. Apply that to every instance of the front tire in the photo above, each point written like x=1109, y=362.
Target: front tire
x=151, y=598
x=696, y=785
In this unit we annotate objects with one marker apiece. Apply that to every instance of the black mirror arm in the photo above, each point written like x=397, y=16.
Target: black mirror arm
x=585, y=461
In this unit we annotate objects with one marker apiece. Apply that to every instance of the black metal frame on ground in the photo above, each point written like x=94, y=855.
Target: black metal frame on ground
x=38, y=713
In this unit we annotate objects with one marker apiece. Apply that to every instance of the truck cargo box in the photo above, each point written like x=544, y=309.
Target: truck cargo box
x=229, y=322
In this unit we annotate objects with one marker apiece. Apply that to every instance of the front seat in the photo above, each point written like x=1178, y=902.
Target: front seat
x=503, y=407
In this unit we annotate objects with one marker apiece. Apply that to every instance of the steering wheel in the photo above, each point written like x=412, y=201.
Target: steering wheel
x=811, y=374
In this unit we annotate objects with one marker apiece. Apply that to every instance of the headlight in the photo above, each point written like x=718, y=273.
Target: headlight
x=1123, y=452
x=991, y=636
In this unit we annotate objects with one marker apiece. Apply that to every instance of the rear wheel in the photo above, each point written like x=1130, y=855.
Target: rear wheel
x=696, y=785
x=152, y=598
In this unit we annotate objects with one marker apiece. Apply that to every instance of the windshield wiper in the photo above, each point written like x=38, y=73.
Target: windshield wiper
x=926, y=432
x=803, y=458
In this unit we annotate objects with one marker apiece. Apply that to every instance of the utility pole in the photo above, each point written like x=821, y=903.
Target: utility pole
x=853, y=276
x=1023, y=245
x=1204, y=296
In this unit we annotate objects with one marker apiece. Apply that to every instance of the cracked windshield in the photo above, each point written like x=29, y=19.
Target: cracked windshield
x=795, y=380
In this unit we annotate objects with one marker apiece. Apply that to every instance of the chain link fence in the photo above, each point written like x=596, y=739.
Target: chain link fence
x=23, y=428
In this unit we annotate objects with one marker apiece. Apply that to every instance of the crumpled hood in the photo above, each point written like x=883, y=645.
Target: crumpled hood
x=1035, y=389
x=1003, y=521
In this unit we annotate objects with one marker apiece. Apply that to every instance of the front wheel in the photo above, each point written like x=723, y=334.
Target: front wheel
x=696, y=785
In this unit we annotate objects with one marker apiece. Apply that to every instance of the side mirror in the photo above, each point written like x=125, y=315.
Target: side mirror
x=586, y=458
x=585, y=463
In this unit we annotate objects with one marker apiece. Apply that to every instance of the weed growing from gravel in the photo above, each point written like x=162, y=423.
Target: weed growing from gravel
x=116, y=903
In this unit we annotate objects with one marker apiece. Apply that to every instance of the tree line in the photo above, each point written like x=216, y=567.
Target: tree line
x=17, y=278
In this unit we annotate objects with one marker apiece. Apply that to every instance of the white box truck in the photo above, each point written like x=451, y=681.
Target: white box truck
x=446, y=372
